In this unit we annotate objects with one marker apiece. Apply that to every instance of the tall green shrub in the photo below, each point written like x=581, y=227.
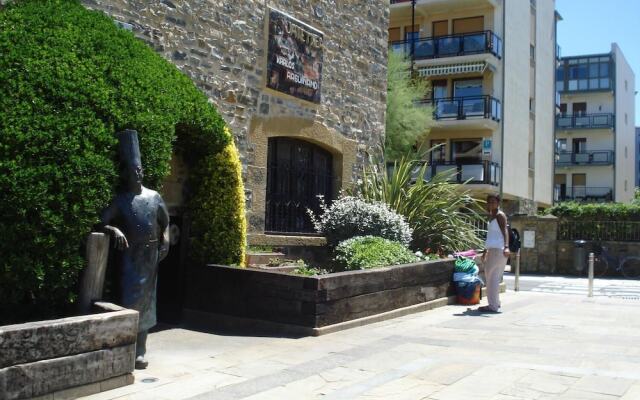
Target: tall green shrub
x=70, y=79
x=407, y=122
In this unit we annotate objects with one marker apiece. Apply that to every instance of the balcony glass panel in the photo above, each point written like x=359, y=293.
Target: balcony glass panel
x=424, y=48
x=448, y=46
x=564, y=158
x=582, y=121
x=601, y=157
x=475, y=43
x=446, y=109
x=473, y=172
x=473, y=107
x=581, y=158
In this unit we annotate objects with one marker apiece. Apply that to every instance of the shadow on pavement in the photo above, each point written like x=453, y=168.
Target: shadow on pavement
x=473, y=312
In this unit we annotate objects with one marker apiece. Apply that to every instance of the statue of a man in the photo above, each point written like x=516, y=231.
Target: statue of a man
x=138, y=221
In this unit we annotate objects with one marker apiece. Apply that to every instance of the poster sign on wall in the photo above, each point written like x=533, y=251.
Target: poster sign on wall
x=294, y=63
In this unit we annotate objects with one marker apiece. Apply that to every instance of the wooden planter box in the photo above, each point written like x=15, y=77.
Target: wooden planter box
x=68, y=357
x=318, y=304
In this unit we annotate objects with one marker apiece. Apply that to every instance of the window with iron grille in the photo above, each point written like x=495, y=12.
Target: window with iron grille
x=297, y=173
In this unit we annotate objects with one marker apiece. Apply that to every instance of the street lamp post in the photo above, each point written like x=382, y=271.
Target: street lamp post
x=413, y=24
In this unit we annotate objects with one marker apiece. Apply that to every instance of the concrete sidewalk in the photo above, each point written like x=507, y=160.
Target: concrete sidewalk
x=543, y=346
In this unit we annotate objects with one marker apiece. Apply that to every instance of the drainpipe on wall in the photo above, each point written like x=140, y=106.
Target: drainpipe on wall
x=615, y=125
x=504, y=76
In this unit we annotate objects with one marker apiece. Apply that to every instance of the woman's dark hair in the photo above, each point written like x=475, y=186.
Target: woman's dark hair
x=493, y=196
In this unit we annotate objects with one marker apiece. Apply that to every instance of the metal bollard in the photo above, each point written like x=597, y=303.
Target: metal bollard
x=591, y=261
x=517, y=281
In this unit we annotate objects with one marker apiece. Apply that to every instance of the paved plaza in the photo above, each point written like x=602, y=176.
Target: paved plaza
x=543, y=346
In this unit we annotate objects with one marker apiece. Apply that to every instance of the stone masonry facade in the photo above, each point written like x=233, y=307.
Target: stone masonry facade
x=222, y=46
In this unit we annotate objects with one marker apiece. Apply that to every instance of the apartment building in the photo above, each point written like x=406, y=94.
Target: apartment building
x=637, y=168
x=595, y=134
x=490, y=64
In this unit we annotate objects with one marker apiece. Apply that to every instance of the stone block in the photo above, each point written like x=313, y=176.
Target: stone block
x=49, y=376
x=318, y=300
x=24, y=343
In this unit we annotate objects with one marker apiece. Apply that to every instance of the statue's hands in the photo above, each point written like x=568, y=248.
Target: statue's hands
x=165, y=242
x=120, y=239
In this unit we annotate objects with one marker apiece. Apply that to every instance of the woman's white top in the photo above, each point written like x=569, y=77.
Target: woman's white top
x=495, y=238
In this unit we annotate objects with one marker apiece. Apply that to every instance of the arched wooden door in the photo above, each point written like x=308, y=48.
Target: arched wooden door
x=297, y=173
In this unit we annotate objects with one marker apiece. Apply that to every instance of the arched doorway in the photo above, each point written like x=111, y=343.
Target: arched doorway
x=297, y=173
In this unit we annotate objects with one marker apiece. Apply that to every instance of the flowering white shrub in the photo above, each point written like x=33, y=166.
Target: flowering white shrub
x=349, y=216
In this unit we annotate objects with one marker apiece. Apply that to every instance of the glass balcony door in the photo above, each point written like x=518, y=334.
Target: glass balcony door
x=470, y=90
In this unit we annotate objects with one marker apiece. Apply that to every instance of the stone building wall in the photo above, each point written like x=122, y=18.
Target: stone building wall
x=222, y=46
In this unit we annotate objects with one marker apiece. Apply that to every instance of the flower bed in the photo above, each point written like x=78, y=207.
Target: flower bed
x=68, y=357
x=313, y=305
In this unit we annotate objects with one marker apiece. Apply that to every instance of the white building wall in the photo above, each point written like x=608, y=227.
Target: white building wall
x=515, y=178
x=625, y=127
x=544, y=101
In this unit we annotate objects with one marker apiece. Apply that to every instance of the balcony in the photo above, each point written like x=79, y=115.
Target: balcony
x=585, y=121
x=450, y=46
x=462, y=108
x=479, y=173
x=446, y=5
x=583, y=194
x=596, y=157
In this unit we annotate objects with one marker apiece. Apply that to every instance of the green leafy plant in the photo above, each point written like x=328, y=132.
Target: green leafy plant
x=260, y=249
x=309, y=271
x=69, y=79
x=599, y=211
x=441, y=214
x=407, y=121
x=363, y=252
x=348, y=217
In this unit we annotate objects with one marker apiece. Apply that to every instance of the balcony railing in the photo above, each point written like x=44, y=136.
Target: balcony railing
x=450, y=46
x=596, y=157
x=583, y=194
x=457, y=108
x=585, y=121
x=480, y=172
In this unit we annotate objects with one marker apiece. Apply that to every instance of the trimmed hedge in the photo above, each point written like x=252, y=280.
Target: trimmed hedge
x=596, y=212
x=70, y=79
x=363, y=252
x=224, y=211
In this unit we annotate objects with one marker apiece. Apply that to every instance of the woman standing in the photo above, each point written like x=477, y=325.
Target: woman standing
x=496, y=252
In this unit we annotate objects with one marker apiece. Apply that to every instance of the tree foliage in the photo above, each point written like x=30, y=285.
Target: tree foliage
x=407, y=121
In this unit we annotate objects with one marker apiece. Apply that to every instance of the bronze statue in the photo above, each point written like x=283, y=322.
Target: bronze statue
x=138, y=221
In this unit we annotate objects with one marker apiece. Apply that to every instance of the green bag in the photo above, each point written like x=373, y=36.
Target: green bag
x=464, y=264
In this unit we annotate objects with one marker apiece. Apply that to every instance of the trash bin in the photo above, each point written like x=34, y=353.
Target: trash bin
x=580, y=255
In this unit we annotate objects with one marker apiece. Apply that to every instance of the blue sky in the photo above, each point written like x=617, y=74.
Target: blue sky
x=590, y=26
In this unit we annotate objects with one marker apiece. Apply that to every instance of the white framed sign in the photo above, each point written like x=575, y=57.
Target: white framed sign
x=529, y=241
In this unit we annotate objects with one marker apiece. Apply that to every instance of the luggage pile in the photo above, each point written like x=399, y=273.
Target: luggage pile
x=466, y=280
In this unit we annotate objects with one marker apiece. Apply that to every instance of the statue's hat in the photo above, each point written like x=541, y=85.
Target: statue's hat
x=129, y=149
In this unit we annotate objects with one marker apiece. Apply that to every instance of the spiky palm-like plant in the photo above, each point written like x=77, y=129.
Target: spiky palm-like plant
x=442, y=214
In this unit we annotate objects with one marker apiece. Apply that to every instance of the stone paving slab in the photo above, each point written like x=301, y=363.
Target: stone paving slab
x=543, y=346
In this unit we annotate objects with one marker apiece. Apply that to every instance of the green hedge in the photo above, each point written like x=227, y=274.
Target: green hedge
x=70, y=79
x=600, y=212
x=363, y=252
